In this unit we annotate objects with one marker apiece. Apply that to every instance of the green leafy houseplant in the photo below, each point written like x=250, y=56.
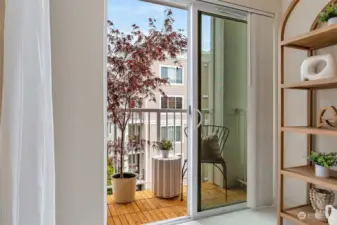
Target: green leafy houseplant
x=323, y=159
x=329, y=12
x=164, y=145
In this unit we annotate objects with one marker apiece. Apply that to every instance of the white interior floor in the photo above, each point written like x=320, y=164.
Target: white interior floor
x=266, y=216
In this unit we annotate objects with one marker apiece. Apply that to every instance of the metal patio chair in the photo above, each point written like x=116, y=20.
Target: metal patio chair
x=222, y=133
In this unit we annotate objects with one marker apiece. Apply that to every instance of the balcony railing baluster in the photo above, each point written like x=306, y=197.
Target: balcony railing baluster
x=174, y=133
x=140, y=160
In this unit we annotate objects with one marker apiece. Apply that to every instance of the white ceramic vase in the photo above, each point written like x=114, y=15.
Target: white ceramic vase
x=331, y=214
x=165, y=153
x=332, y=20
x=321, y=171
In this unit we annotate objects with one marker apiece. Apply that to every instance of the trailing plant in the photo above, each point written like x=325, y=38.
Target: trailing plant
x=323, y=159
x=110, y=172
x=329, y=12
x=165, y=145
x=130, y=77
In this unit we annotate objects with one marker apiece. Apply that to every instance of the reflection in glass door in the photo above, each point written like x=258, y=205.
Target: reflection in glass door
x=222, y=100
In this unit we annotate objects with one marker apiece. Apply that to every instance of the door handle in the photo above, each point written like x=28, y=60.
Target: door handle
x=201, y=118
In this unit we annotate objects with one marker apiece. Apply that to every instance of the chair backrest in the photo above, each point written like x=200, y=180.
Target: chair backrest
x=222, y=132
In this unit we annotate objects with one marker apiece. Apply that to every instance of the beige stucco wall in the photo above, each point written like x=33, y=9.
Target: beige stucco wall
x=295, y=101
x=179, y=90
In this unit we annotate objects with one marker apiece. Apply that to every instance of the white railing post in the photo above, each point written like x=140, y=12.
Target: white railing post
x=158, y=125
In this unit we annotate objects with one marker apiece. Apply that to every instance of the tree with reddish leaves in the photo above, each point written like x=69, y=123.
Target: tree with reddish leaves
x=130, y=79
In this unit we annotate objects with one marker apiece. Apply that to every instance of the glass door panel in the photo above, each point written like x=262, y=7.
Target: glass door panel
x=222, y=100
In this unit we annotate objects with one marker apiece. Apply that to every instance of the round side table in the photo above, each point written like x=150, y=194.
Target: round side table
x=166, y=175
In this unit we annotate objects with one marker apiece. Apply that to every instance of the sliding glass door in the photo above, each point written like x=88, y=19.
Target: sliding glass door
x=218, y=106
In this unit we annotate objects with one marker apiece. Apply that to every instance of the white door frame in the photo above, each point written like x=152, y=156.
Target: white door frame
x=193, y=61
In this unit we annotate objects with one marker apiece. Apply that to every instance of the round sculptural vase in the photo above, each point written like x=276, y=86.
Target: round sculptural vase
x=311, y=67
x=332, y=20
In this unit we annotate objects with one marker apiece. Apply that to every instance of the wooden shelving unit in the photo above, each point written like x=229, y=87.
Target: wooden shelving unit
x=307, y=174
x=313, y=84
x=315, y=39
x=292, y=215
x=309, y=130
x=319, y=38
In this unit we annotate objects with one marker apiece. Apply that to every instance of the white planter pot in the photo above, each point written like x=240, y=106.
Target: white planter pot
x=332, y=20
x=165, y=153
x=124, y=190
x=321, y=171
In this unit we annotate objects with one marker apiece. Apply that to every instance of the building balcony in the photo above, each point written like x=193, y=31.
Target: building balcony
x=154, y=125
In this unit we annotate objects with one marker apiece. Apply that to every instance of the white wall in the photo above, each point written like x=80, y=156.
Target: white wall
x=78, y=68
x=295, y=101
x=265, y=5
x=78, y=62
x=2, y=20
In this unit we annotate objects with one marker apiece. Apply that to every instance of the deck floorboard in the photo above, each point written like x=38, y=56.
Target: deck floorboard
x=147, y=208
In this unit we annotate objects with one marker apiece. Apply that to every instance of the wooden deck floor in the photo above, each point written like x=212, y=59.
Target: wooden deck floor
x=147, y=208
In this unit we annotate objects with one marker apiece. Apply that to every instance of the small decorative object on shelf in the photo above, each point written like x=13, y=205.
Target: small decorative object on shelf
x=327, y=122
x=164, y=146
x=320, y=198
x=331, y=214
x=329, y=15
x=323, y=161
x=310, y=64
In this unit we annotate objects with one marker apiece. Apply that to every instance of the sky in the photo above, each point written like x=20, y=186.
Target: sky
x=124, y=13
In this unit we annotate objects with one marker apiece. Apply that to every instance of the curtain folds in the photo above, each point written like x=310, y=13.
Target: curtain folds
x=27, y=136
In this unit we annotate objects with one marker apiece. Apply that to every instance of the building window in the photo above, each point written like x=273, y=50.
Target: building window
x=168, y=133
x=171, y=102
x=174, y=74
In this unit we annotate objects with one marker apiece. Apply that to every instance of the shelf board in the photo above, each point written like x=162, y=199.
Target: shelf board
x=313, y=84
x=322, y=37
x=310, y=130
x=292, y=215
x=307, y=174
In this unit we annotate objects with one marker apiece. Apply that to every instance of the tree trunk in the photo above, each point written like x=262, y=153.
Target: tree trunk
x=122, y=155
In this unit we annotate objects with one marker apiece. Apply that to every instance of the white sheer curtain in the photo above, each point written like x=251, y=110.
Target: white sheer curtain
x=27, y=139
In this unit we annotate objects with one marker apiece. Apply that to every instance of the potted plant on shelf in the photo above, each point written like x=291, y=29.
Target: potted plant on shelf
x=329, y=15
x=130, y=80
x=323, y=162
x=164, y=146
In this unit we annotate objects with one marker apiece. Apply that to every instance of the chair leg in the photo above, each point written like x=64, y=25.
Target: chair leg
x=224, y=173
x=183, y=171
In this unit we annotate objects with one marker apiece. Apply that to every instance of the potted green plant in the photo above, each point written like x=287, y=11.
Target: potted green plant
x=164, y=146
x=323, y=162
x=329, y=15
